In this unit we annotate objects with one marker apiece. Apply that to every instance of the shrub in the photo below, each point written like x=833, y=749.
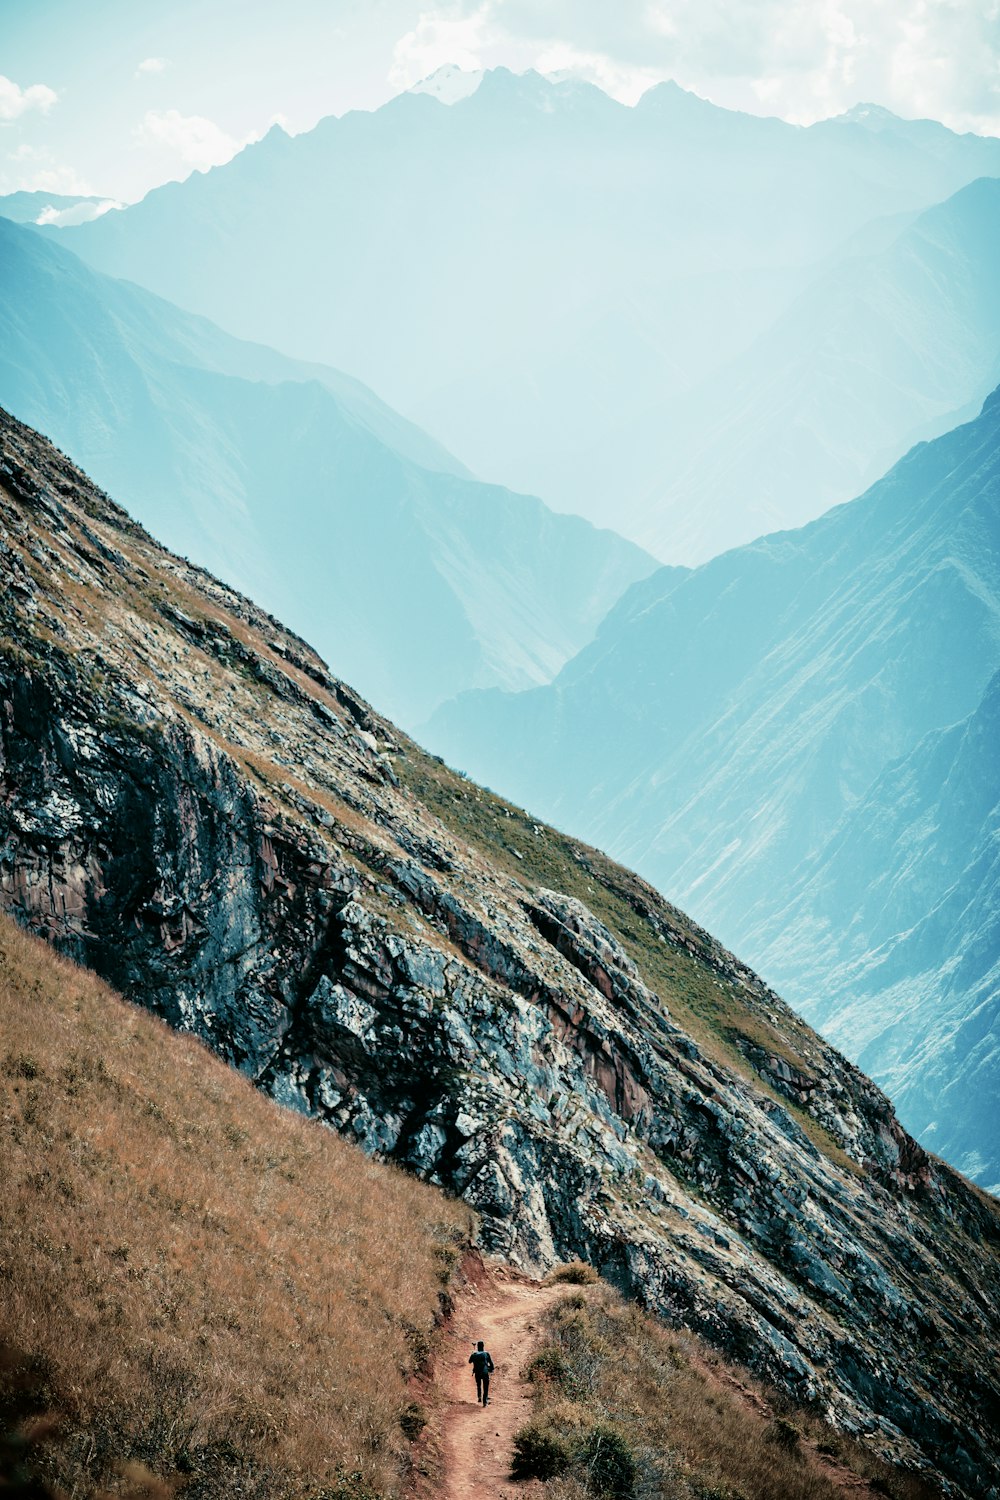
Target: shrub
x=576, y=1272
x=540, y=1452
x=784, y=1433
x=348, y=1486
x=547, y=1366
x=611, y=1468
x=413, y=1420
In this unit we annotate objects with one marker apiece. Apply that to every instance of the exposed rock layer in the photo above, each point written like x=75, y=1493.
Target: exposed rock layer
x=192, y=805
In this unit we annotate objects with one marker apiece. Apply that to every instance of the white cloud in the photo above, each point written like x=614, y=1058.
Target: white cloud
x=36, y=170
x=15, y=101
x=151, y=65
x=78, y=213
x=622, y=81
x=197, y=141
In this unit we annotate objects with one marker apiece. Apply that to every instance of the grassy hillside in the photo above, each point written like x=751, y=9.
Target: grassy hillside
x=626, y=1407
x=194, y=1279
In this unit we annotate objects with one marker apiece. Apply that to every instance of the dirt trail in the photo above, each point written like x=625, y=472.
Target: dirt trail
x=505, y=1312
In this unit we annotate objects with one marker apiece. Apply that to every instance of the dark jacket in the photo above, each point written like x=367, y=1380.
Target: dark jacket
x=481, y=1362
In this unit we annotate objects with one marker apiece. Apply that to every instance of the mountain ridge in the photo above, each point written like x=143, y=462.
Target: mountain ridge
x=688, y=230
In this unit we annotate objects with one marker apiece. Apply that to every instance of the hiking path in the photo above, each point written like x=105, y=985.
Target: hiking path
x=505, y=1311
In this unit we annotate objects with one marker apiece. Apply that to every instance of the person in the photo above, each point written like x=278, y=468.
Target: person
x=482, y=1368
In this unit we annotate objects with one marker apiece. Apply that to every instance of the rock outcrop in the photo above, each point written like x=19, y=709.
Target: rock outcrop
x=194, y=807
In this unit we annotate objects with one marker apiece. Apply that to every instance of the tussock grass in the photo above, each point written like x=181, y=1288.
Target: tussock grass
x=197, y=1280
x=626, y=1407
x=575, y=1273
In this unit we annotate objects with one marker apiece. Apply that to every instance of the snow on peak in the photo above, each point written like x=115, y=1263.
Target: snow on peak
x=450, y=83
x=868, y=114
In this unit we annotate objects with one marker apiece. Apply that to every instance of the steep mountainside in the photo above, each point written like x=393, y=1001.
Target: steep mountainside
x=296, y=483
x=725, y=721
x=194, y=806
x=881, y=351
x=524, y=270
x=902, y=969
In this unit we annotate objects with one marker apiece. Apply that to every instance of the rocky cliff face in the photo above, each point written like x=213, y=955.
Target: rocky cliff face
x=194, y=807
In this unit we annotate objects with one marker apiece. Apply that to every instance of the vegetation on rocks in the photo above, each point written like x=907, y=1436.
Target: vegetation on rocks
x=626, y=1409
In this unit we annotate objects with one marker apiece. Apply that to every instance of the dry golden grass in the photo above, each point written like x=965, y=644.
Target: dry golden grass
x=695, y=1427
x=204, y=1283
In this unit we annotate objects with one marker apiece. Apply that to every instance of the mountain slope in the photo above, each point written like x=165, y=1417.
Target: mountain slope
x=132, y=1154
x=903, y=972
x=297, y=483
x=879, y=352
x=196, y=808
x=525, y=270
x=724, y=722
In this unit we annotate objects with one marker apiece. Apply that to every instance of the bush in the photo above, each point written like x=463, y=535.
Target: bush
x=348, y=1487
x=413, y=1420
x=611, y=1468
x=547, y=1366
x=577, y=1273
x=540, y=1452
x=784, y=1433
x=572, y=1302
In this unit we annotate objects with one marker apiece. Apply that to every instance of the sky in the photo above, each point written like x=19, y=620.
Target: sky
x=113, y=97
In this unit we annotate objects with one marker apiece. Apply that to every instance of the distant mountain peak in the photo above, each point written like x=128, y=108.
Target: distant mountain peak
x=872, y=116
x=450, y=83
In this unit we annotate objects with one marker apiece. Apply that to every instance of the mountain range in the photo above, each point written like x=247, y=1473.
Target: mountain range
x=883, y=349
x=53, y=208
x=795, y=740
x=196, y=809
x=296, y=482
x=536, y=274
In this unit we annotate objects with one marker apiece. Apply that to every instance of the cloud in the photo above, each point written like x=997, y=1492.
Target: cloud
x=15, y=101
x=623, y=81
x=441, y=37
x=39, y=172
x=78, y=213
x=152, y=65
x=198, y=142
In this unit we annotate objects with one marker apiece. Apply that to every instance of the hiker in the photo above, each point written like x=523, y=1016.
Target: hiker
x=482, y=1368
